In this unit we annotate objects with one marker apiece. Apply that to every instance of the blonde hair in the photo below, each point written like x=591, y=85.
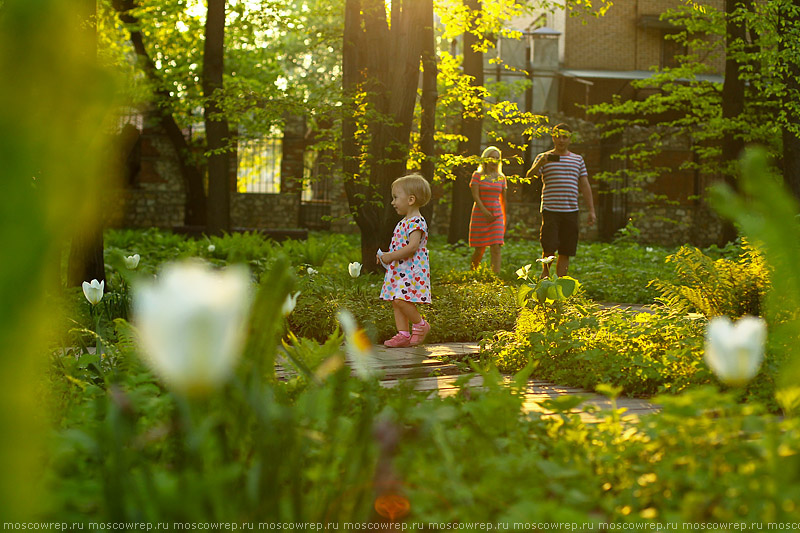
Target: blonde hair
x=416, y=186
x=485, y=155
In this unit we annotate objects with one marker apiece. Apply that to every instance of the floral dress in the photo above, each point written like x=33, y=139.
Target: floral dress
x=409, y=279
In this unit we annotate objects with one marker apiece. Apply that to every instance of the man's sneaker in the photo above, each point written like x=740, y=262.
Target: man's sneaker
x=419, y=333
x=398, y=341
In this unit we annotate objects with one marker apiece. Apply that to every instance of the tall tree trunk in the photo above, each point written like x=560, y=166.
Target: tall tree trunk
x=195, y=211
x=217, y=131
x=788, y=24
x=381, y=69
x=86, y=260
x=354, y=185
x=471, y=129
x=427, y=126
x=732, y=97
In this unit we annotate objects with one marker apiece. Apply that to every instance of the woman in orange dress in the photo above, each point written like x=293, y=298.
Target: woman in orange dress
x=487, y=226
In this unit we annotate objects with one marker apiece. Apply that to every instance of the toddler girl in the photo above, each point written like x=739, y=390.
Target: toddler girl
x=408, y=275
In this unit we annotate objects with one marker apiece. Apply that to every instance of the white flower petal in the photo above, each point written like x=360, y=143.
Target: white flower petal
x=354, y=269
x=523, y=272
x=132, y=261
x=734, y=351
x=289, y=303
x=357, y=346
x=94, y=291
x=192, y=324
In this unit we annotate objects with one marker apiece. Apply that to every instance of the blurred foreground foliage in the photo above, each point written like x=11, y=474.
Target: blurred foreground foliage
x=53, y=144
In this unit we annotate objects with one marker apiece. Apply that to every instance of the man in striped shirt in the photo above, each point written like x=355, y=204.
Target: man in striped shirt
x=563, y=173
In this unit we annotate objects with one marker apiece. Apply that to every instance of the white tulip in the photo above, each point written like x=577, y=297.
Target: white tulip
x=289, y=303
x=358, y=347
x=211, y=248
x=192, y=324
x=546, y=260
x=311, y=271
x=354, y=269
x=132, y=261
x=522, y=273
x=734, y=351
x=94, y=291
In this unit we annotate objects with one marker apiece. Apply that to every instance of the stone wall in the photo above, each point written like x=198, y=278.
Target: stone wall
x=265, y=211
x=155, y=195
x=148, y=208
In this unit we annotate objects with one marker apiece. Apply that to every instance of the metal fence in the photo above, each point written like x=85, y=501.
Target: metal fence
x=315, y=207
x=259, y=165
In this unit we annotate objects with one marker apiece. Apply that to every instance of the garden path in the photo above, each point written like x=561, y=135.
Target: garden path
x=423, y=366
x=428, y=369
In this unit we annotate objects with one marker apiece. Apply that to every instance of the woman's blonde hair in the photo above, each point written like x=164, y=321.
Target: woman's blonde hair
x=485, y=156
x=416, y=186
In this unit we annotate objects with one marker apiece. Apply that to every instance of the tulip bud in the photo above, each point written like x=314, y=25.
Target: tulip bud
x=132, y=261
x=94, y=291
x=192, y=323
x=357, y=346
x=289, y=303
x=354, y=269
x=734, y=351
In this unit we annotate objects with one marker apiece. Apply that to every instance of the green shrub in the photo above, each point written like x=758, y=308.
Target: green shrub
x=458, y=312
x=644, y=353
x=723, y=287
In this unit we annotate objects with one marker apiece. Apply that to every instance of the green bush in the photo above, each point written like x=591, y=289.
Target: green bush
x=468, y=461
x=458, y=312
x=644, y=353
x=723, y=287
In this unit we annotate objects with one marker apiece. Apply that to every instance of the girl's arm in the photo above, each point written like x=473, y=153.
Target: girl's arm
x=476, y=195
x=407, y=250
x=504, y=199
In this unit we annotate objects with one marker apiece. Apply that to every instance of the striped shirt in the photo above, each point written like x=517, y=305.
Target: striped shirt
x=560, y=183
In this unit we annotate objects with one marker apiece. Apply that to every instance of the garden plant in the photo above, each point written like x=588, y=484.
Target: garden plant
x=137, y=437
x=232, y=380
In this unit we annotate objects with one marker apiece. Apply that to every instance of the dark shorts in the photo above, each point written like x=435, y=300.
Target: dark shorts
x=559, y=232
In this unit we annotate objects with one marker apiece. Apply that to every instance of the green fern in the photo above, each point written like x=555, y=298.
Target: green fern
x=730, y=287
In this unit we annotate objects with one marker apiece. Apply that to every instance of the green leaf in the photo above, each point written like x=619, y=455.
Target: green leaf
x=609, y=390
x=521, y=377
x=567, y=285
x=552, y=292
x=522, y=294
x=542, y=290
x=563, y=404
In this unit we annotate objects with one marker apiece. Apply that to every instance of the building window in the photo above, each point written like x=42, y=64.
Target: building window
x=316, y=178
x=670, y=50
x=259, y=165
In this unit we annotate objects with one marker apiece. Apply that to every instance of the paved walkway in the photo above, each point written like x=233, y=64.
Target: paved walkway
x=424, y=368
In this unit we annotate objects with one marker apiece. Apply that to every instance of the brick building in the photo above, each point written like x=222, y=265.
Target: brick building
x=573, y=62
